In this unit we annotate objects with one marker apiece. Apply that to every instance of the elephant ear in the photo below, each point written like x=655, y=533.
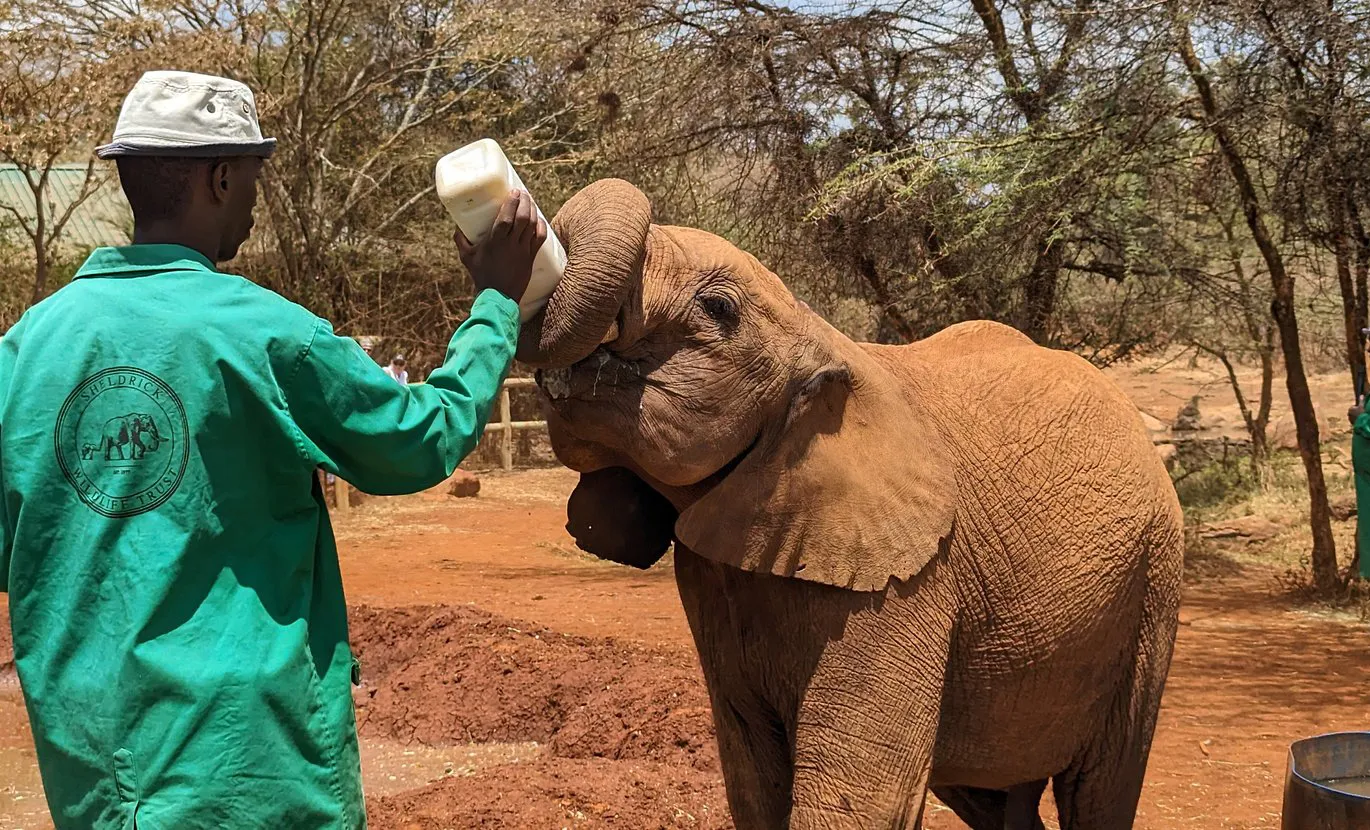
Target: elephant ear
x=852, y=487
x=617, y=516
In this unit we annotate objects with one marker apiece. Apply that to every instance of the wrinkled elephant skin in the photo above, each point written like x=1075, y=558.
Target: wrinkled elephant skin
x=953, y=565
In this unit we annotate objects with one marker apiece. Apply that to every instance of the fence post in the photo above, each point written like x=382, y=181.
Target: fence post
x=340, y=494
x=506, y=449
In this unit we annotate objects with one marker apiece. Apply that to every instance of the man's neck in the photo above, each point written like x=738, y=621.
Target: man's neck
x=160, y=233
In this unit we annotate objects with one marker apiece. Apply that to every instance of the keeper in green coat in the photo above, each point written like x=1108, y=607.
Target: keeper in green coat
x=179, y=625
x=1360, y=466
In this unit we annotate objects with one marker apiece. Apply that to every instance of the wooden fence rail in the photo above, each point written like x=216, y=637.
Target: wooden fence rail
x=506, y=425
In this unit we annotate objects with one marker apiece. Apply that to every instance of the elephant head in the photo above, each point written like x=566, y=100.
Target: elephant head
x=145, y=432
x=673, y=363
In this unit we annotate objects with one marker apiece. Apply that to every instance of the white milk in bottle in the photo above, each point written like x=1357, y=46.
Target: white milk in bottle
x=473, y=183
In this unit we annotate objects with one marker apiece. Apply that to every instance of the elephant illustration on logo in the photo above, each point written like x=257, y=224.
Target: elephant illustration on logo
x=135, y=433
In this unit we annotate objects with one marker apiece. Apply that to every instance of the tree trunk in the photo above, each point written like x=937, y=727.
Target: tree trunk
x=1362, y=249
x=1260, y=440
x=40, y=268
x=1039, y=289
x=1325, y=576
x=39, y=238
x=1255, y=421
x=1353, y=322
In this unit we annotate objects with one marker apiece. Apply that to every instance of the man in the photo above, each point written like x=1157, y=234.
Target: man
x=396, y=369
x=1360, y=467
x=177, y=609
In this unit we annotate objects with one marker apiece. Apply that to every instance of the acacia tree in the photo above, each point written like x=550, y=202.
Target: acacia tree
x=942, y=162
x=1214, y=118
x=1312, y=66
x=1235, y=327
x=54, y=108
x=364, y=96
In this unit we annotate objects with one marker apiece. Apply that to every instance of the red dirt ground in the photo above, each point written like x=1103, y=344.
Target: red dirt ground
x=477, y=622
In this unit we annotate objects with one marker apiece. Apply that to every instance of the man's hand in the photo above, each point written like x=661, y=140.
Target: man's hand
x=1354, y=412
x=504, y=259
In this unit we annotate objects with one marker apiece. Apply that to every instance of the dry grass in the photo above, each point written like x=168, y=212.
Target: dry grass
x=377, y=517
x=537, y=486
x=1230, y=494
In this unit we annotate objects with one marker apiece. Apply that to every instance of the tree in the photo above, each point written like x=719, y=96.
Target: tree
x=1283, y=308
x=941, y=162
x=54, y=108
x=364, y=97
x=1312, y=60
x=1235, y=328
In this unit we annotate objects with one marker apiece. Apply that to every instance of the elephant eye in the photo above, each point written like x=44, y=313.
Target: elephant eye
x=721, y=309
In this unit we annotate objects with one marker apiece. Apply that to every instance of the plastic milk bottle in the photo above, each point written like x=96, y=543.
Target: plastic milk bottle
x=473, y=183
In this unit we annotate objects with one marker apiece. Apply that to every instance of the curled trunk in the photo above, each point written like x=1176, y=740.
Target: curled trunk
x=604, y=228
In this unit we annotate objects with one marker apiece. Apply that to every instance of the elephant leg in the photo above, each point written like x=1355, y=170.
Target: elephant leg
x=868, y=720
x=1100, y=790
x=1013, y=809
x=753, y=743
x=979, y=809
x=1022, y=810
x=756, y=764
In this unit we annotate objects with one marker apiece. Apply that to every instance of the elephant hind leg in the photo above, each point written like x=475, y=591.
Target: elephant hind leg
x=979, y=809
x=1101, y=788
x=1013, y=809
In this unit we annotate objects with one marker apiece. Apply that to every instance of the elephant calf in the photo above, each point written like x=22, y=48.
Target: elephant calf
x=953, y=565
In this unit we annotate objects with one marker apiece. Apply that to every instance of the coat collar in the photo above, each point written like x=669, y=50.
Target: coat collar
x=143, y=260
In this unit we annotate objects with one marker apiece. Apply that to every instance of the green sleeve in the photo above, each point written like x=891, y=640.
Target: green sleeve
x=1361, y=426
x=6, y=531
x=389, y=439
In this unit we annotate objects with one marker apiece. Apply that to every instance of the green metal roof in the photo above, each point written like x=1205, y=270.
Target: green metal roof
x=102, y=219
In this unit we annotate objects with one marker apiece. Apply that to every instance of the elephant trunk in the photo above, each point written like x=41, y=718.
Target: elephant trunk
x=604, y=229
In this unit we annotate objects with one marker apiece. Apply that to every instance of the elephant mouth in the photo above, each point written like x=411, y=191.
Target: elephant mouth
x=601, y=375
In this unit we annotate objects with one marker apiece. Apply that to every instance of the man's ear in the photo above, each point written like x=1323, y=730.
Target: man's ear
x=220, y=175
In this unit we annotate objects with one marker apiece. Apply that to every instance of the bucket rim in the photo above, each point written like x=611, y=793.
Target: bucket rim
x=1318, y=785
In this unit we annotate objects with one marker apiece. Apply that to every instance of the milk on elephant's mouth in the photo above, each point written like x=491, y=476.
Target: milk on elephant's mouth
x=602, y=373
x=555, y=383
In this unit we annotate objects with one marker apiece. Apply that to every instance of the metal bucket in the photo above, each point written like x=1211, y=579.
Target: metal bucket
x=1328, y=783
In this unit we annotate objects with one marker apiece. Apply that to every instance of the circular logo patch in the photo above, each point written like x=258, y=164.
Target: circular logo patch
x=121, y=442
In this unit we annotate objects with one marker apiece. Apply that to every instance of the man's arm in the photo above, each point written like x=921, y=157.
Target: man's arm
x=6, y=535
x=387, y=438
x=6, y=531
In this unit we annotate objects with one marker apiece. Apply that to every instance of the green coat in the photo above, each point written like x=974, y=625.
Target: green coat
x=1360, y=465
x=179, y=624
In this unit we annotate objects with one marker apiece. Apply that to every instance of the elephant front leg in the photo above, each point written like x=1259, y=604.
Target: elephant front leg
x=868, y=722
x=753, y=742
x=756, y=764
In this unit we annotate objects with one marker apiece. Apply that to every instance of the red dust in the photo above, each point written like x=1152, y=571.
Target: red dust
x=600, y=697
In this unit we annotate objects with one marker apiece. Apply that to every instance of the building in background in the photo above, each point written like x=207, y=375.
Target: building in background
x=104, y=218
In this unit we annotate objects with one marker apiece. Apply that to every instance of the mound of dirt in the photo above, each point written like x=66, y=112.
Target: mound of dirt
x=561, y=793
x=462, y=675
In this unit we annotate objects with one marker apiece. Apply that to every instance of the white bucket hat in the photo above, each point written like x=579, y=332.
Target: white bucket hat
x=188, y=115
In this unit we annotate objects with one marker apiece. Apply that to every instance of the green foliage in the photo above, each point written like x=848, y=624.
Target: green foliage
x=1214, y=486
